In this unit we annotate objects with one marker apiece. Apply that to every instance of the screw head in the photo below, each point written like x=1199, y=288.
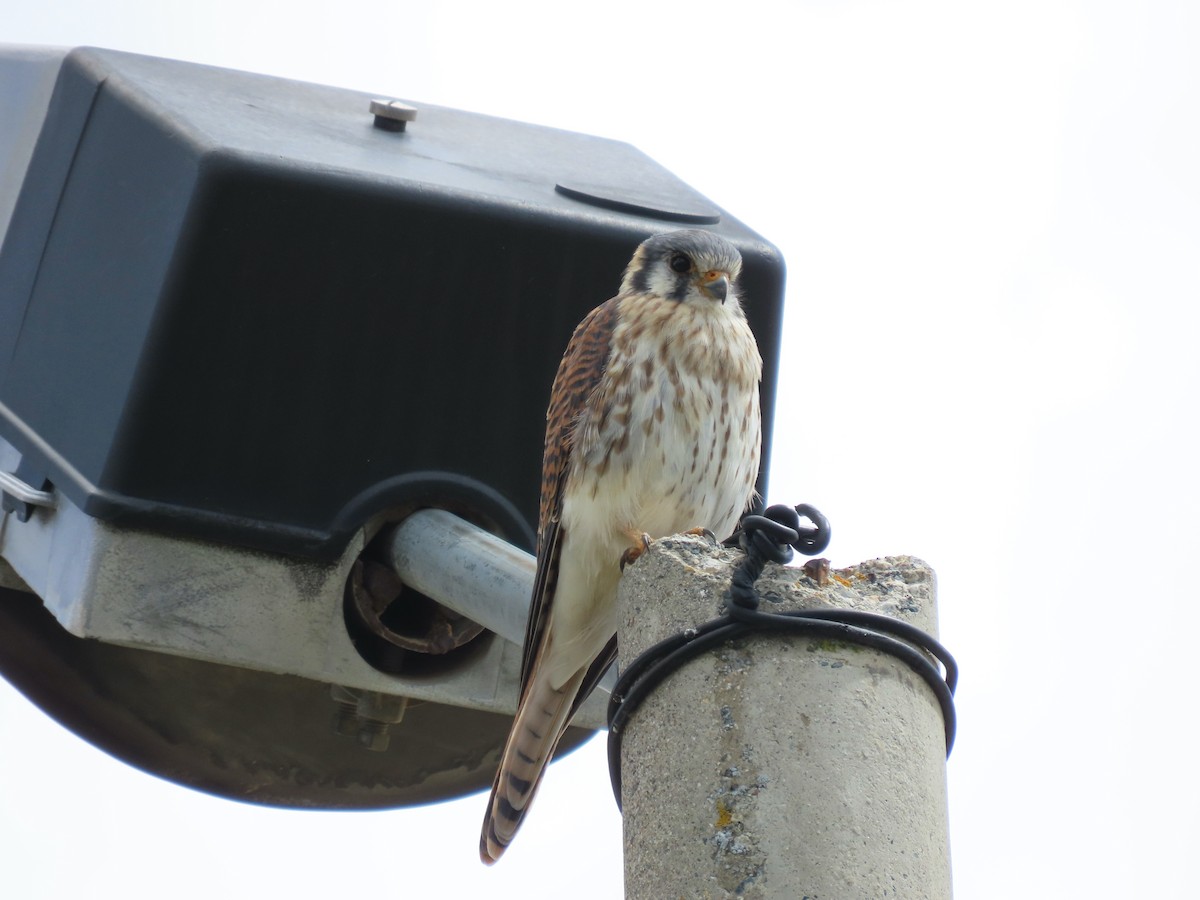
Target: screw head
x=392, y=115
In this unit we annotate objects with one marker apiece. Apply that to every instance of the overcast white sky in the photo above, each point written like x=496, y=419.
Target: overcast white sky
x=991, y=216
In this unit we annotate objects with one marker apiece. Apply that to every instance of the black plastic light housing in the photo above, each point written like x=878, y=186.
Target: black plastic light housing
x=249, y=315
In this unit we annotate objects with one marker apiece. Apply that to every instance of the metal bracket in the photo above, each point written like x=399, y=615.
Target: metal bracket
x=20, y=497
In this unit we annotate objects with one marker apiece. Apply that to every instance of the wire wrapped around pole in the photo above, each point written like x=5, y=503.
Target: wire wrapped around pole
x=772, y=537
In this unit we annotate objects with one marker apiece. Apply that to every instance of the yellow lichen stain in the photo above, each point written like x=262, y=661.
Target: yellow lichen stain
x=724, y=815
x=827, y=645
x=844, y=582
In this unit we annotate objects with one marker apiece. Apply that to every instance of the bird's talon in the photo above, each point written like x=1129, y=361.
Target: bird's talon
x=633, y=553
x=700, y=531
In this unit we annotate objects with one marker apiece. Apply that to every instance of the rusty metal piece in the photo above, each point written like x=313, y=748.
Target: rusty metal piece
x=403, y=617
x=818, y=570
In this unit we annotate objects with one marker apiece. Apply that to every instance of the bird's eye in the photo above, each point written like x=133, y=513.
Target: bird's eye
x=681, y=263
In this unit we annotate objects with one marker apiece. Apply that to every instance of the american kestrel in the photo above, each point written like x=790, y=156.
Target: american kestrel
x=653, y=429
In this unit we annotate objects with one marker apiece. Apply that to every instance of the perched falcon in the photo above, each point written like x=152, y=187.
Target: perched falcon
x=653, y=429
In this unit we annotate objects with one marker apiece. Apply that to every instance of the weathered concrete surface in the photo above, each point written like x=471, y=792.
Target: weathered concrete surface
x=781, y=766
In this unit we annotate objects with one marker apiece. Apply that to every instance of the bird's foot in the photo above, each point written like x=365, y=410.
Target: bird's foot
x=701, y=531
x=636, y=550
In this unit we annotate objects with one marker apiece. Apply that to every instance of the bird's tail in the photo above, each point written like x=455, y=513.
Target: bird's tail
x=541, y=719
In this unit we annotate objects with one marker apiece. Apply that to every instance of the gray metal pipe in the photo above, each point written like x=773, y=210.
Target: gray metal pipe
x=466, y=569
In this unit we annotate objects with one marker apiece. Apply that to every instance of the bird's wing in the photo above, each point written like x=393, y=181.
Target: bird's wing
x=581, y=369
x=593, y=675
x=523, y=764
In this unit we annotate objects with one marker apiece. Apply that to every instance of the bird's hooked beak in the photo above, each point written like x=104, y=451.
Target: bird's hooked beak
x=715, y=283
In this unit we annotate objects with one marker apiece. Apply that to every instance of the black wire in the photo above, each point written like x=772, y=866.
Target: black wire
x=771, y=537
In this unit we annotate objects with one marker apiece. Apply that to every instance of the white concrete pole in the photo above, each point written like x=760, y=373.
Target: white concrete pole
x=781, y=766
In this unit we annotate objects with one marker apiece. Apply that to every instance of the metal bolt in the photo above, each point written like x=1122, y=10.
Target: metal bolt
x=374, y=735
x=392, y=115
x=345, y=720
x=366, y=715
x=345, y=716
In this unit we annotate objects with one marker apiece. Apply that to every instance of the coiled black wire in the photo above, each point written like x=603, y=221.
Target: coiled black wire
x=772, y=537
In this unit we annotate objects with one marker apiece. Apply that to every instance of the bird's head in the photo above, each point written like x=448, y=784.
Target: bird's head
x=690, y=266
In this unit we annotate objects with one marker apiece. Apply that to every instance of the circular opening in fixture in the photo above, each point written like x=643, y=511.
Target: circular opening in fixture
x=398, y=629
